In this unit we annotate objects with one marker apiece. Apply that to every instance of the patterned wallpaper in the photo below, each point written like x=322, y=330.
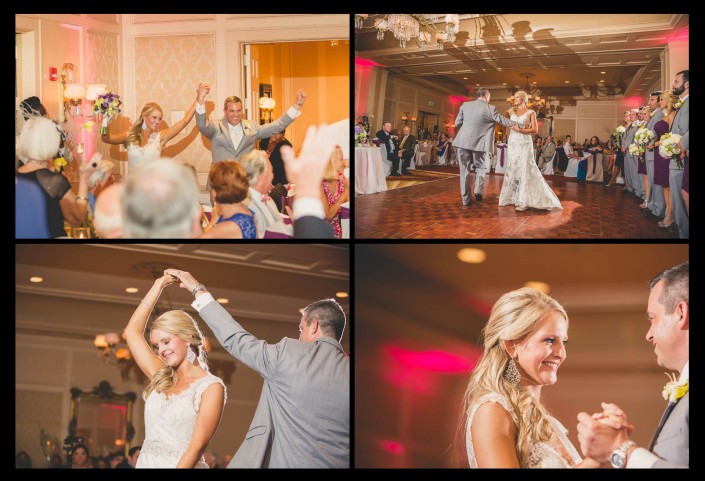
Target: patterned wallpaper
x=102, y=59
x=35, y=411
x=167, y=71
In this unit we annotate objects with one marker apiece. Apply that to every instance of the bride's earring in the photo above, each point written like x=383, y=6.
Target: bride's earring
x=144, y=124
x=511, y=374
x=191, y=356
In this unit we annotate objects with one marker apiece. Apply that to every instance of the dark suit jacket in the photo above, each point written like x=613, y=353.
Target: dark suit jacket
x=309, y=227
x=408, y=150
x=386, y=139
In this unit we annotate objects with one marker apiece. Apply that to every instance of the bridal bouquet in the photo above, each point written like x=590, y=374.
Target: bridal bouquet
x=634, y=149
x=644, y=137
x=107, y=105
x=668, y=145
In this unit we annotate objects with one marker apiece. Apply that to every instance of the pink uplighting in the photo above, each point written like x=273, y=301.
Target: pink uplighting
x=392, y=447
x=365, y=62
x=439, y=361
x=477, y=305
x=457, y=99
x=681, y=35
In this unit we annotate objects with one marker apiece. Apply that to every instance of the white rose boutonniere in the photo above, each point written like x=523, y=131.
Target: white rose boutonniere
x=246, y=127
x=678, y=104
x=673, y=390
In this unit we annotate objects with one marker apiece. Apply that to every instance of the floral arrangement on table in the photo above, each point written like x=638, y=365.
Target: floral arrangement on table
x=360, y=136
x=377, y=141
x=364, y=119
x=668, y=147
x=674, y=390
x=107, y=105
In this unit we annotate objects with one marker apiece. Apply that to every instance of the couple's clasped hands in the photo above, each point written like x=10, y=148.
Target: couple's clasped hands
x=602, y=433
x=172, y=276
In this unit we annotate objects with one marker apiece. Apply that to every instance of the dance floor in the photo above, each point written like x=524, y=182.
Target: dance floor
x=433, y=210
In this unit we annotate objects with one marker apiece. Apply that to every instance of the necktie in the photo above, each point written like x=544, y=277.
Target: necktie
x=666, y=413
x=401, y=146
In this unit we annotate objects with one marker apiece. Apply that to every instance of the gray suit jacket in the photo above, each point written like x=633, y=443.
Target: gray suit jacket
x=303, y=416
x=475, y=122
x=260, y=217
x=547, y=151
x=628, y=138
x=658, y=115
x=222, y=146
x=680, y=127
x=672, y=444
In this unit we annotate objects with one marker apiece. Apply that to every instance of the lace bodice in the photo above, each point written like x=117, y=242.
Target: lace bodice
x=518, y=137
x=136, y=155
x=169, y=423
x=542, y=455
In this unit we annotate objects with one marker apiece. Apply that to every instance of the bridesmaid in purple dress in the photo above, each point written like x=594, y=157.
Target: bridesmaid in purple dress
x=660, y=164
x=644, y=115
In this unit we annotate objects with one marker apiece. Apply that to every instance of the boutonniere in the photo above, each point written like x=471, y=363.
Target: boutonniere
x=673, y=390
x=678, y=104
x=59, y=164
x=246, y=127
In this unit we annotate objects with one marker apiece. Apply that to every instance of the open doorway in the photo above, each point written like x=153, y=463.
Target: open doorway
x=277, y=71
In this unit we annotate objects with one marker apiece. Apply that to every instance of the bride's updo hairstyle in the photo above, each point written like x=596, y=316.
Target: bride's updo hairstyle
x=182, y=325
x=514, y=317
x=135, y=133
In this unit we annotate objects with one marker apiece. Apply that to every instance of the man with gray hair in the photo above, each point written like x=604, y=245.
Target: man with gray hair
x=475, y=138
x=260, y=175
x=547, y=152
x=161, y=202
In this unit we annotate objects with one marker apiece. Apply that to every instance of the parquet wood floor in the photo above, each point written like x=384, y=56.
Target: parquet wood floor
x=433, y=210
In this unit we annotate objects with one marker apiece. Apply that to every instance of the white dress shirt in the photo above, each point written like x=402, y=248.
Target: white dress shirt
x=642, y=457
x=202, y=301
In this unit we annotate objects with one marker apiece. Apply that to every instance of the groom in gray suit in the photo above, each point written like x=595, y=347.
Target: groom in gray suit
x=669, y=313
x=475, y=138
x=303, y=416
x=234, y=136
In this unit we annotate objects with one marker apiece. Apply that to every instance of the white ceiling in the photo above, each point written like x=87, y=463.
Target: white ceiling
x=557, y=48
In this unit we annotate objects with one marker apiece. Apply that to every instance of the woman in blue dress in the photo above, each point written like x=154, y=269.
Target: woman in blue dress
x=231, y=219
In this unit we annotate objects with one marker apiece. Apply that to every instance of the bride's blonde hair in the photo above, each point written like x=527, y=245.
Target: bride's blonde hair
x=135, y=133
x=184, y=327
x=514, y=317
x=525, y=98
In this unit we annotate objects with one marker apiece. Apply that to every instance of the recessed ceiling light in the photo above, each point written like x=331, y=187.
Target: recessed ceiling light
x=477, y=85
x=539, y=286
x=504, y=83
x=341, y=294
x=472, y=256
x=602, y=80
x=567, y=81
x=36, y=279
x=223, y=300
x=465, y=78
x=301, y=311
x=131, y=290
x=603, y=73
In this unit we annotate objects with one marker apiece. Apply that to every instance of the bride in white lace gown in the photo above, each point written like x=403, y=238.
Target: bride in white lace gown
x=184, y=402
x=523, y=184
x=506, y=425
x=144, y=141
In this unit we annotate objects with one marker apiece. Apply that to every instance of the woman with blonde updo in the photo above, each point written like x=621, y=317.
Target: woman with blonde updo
x=183, y=401
x=144, y=141
x=523, y=185
x=506, y=425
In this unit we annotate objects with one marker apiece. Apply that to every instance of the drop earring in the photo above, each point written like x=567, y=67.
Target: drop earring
x=144, y=124
x=511, y=374
x=190, y=355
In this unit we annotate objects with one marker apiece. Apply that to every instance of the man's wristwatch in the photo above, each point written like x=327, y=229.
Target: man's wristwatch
x=199, y=287
x=619, y=455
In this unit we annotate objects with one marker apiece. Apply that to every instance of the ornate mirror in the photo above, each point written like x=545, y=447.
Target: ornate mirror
x=102, y=418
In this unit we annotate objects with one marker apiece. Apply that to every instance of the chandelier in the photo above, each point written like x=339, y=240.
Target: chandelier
x=419, y=27
x=535, y=101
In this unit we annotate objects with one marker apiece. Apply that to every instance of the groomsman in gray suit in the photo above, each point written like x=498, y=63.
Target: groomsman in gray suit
x=303, y=416
x=655, y=207
x=474, y=139
x=680, y=87
x=668, y=311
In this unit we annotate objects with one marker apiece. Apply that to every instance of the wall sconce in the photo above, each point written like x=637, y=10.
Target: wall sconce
x=405, y=117
x=413, y=120
x=266, y=106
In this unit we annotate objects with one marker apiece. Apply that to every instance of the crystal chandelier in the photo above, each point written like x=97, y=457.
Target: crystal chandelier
x=415, y=26
x=536, y=102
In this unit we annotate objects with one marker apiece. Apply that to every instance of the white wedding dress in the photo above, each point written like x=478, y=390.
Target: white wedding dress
x=136, y=155
x=542, y=455
x=169, y=423
x=523, y=184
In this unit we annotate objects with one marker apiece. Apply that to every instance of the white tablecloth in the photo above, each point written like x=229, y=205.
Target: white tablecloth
x=369, y=172
x=423, y=153
x=597, y=165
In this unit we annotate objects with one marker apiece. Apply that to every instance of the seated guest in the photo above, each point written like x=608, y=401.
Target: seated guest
x=335, y=190
x=548, y=148
x=259, y=174
x=30, y=211
x=161, y=202
x=231, y=219
x=38, y=143
x=442, y=148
